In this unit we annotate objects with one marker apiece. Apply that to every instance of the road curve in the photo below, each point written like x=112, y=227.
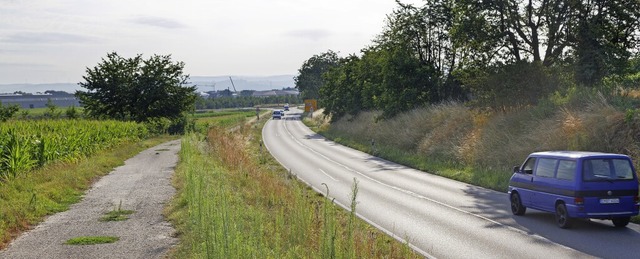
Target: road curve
x=142, y=184
x=439, y=217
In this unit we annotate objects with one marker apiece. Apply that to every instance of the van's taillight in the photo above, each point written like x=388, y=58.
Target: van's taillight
x=578, y=200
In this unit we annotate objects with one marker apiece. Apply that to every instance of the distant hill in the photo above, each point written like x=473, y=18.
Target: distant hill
x=258, y=83
x=204, y=84
x=39, y=88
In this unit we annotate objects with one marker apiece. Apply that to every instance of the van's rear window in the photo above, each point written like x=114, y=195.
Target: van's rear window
x=606, y=170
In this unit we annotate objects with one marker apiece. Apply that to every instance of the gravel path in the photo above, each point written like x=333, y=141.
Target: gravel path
x=142, y=184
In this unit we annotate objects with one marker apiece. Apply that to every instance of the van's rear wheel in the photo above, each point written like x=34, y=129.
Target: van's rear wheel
x=562, y=216
x=621, y=222
x=516, y=205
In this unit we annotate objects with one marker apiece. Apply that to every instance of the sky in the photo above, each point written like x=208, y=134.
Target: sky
x=55, y=41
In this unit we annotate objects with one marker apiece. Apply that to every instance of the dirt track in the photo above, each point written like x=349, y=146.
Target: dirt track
x=143, y=185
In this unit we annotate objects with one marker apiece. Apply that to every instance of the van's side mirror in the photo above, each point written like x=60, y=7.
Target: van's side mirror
x=516, y=169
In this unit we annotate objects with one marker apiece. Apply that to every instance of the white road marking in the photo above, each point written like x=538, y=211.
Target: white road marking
x=325, y=173
x=411, y=193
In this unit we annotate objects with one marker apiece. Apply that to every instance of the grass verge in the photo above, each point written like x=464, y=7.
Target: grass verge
x=235, y=201
x=26, y=200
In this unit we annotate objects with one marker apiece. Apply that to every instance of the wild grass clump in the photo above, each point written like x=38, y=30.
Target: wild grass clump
x=118, y=214
x=481, y=146
x=236, y=202
x=91, y=240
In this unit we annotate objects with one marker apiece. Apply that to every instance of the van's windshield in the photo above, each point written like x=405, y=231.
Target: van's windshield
x=607, y=170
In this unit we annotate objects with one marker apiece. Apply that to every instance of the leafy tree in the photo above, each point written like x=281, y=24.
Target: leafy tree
x=309, y=79
x=136, y=89
x=341, y=93
x=520, y=84
x=596, y=35
x=6, y=112
x=606, y=33
x=517, y=30
x=420, y=51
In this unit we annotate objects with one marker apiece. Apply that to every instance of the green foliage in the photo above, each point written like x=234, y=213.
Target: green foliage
x=604, y=38
x=52, y=110
x=310, y=75
x=72, y=112
x=158, y=126
x=15, y=155
x=180, y=125
x=136, y=89
x=244, y=101
x=6, y=112
x=462, y=49
x=387, y=78
x=515, y=85
x=175, y=126
x=25, y=145
x=342, y=92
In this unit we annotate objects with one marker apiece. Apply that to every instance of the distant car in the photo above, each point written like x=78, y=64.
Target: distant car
x=277, y=114
x=286, y=107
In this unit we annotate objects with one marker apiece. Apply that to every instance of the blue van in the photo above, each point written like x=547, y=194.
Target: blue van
x=574, y=184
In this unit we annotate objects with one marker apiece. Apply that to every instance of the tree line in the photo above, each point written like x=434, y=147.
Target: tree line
x=244, y=101
x=487, y=53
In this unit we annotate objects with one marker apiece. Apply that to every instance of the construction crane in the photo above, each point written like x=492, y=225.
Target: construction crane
x=234, y=86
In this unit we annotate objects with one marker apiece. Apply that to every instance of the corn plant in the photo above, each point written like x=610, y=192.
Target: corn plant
x=25, y=145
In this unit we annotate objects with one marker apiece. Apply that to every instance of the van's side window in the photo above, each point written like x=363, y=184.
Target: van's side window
x=546, y=167
x=528, y=166
x=566, y=169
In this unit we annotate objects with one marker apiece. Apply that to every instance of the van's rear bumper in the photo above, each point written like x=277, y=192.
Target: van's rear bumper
x=577, y=211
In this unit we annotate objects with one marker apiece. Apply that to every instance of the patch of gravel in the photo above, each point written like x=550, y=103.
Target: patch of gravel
x=142, y=184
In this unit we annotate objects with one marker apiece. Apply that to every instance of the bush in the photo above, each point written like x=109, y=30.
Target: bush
x=158, y=125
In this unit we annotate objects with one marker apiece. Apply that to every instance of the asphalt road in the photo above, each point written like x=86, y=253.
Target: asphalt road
x=440, y=218
x=142, y=184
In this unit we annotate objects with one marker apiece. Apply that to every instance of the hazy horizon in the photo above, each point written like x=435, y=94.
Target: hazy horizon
x=204, y=84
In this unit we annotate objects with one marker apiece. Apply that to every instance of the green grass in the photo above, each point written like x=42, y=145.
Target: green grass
x=223, y=118
x=92, y=240
x=117, y=214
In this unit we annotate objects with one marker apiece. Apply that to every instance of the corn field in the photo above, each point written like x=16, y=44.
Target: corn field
x=27, y=145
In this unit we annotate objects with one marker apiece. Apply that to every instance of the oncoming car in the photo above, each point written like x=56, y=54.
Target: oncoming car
x=576, y=184
x=277, y=114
